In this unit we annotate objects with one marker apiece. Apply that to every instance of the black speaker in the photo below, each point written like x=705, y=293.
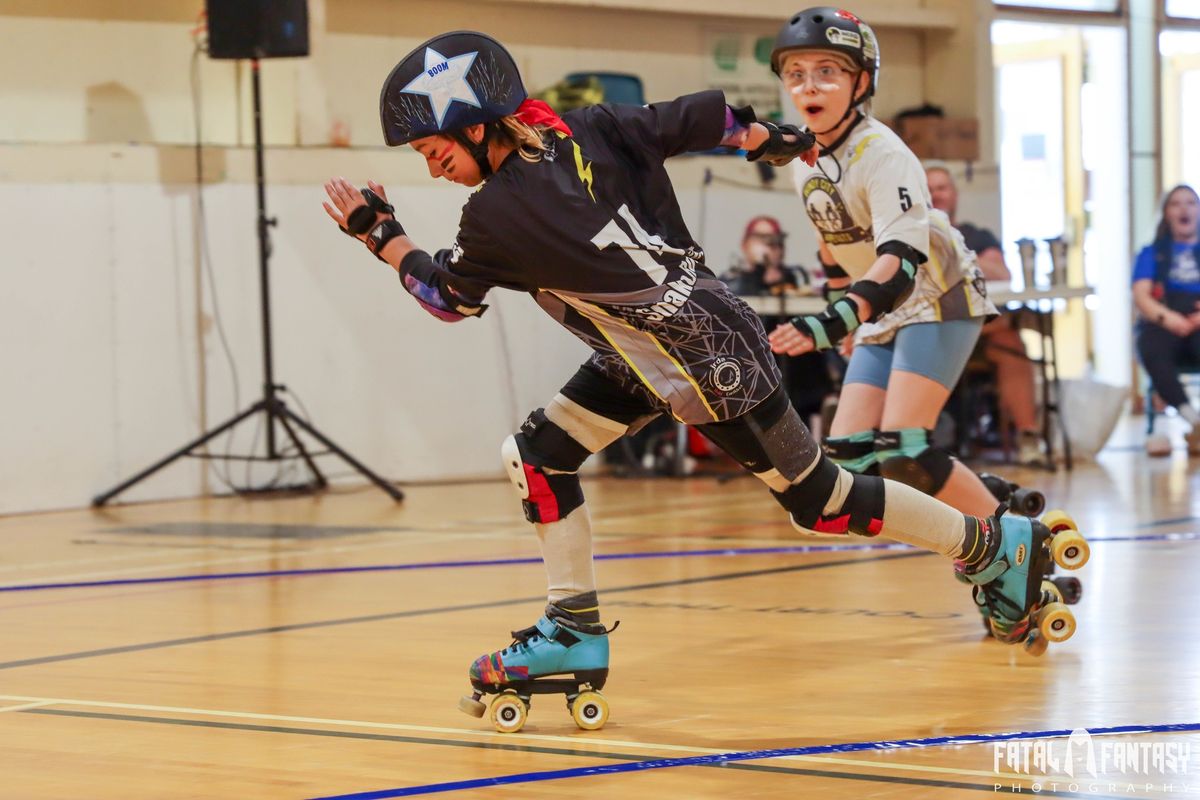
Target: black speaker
x=257, y=28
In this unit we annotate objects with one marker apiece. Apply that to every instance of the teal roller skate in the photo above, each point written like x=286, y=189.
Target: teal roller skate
x=548, y=658
x=1031, y=503
x=1010, y=589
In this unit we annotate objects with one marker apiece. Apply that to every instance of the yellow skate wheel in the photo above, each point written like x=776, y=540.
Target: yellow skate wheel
x=590, y=711
x=509, y=712
x=1058, y=520
x=472, y=706
x=1036, y=645
x=1069, y=549
x=1056, y=622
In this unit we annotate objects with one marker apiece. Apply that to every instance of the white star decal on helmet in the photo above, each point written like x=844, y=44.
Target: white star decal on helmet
x=444, y=81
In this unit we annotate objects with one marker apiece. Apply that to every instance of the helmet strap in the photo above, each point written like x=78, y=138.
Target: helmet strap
x=854, y=101
x=477, y=150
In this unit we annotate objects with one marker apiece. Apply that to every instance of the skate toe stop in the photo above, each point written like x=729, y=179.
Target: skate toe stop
x=469, y=705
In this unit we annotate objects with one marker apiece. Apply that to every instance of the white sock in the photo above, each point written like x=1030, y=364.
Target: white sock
x=1189, y=414
x=916, y=518
x=567, y=554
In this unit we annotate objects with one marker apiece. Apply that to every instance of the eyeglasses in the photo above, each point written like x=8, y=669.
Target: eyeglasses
x=769, y=239
x=821, y=76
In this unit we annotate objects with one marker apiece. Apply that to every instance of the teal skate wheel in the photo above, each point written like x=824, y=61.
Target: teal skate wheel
x=590, y=711
x=509, y=712
x=472, y=706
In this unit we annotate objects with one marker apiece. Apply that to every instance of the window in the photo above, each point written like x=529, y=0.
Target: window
x=1189, y=9
x=1110, y=6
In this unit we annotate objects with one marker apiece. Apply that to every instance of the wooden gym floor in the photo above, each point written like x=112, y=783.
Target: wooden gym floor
x=312, y=647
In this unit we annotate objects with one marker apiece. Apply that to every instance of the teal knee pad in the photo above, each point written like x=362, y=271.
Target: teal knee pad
x=907, y=456
x=854, y=453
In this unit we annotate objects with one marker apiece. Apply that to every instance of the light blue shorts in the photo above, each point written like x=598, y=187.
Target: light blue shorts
x=935, y=350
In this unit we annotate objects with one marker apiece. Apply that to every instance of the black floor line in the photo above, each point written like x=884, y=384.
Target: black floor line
x=423, y=612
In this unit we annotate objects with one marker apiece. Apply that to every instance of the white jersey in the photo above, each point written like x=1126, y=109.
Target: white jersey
x=871, y=190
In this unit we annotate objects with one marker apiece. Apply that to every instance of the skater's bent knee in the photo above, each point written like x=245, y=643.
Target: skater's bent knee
x=831, y=500
x=907, y=456
x=541, y=461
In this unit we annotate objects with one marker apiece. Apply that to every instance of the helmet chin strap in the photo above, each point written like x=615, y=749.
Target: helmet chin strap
x=849, y=110
x=477, y=150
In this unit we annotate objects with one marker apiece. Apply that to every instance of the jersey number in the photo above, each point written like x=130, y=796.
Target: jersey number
x=638, y=251
x=905, y=200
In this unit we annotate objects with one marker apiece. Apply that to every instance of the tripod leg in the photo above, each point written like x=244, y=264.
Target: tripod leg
x=101, y=499
x=281, y=413
x=392, y=491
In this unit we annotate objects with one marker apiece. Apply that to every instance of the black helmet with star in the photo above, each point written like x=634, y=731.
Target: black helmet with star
x=450, y=82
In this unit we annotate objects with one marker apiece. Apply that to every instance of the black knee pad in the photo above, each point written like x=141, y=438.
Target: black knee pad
x=541, y=461
x=907, y=456
x=861, y=511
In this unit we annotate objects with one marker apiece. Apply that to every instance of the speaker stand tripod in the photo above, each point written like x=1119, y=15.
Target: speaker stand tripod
x=271, y=405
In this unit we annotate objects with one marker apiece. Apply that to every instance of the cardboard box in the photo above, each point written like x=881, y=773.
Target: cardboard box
x=948, y=139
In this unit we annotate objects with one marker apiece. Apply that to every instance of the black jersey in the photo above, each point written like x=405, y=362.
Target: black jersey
x=594, y=232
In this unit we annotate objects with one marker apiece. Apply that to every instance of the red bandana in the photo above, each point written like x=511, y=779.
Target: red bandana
x=535, y=112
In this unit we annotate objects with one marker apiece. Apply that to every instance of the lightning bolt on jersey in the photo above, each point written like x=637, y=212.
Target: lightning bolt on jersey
x=869, y=189
x=594, y=232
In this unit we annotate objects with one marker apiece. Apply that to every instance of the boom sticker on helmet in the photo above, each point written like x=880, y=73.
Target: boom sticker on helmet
x=444, y=81
x=449, y=83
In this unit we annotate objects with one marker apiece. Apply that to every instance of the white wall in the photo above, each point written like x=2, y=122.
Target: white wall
x=109, y=351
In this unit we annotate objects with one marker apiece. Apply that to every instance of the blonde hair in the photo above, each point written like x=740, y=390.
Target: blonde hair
x=528, y=139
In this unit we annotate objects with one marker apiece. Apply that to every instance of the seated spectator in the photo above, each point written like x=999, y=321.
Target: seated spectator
x=1000, y=341
x=1166, y=290
x=807, y=378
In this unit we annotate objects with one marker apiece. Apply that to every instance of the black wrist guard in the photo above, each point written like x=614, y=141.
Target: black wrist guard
x=362, y=218
x=784, y=143
x=831, y=294
x=886, y=296
x=381, y=234
x=833, y=270
x=831, y=325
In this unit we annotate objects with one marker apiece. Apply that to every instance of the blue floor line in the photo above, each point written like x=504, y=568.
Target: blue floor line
x=494, y=562
x=750, y=755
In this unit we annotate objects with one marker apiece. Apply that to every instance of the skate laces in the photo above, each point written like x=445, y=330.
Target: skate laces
x=522, y=639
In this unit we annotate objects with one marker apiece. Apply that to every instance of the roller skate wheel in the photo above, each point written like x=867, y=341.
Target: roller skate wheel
x=1051, y=588
x=1036, y=645
x=472, y=706
x=1028, y=502
x=1071, y=589
x=1069, y=549
x=590, y=711
x=1058, y=520
x=1056, y=622
x=509, y=712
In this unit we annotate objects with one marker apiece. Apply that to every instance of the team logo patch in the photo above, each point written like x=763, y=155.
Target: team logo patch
x=843, y=38
x=827, y=210
x=1020, y=557
x=444, y=81
x=726, y=374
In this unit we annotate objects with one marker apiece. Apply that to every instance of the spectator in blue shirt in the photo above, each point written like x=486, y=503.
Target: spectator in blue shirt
x=1166, y=289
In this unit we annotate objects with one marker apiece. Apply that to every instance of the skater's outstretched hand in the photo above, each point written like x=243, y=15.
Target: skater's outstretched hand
x=788, y=340
x=347, y=198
